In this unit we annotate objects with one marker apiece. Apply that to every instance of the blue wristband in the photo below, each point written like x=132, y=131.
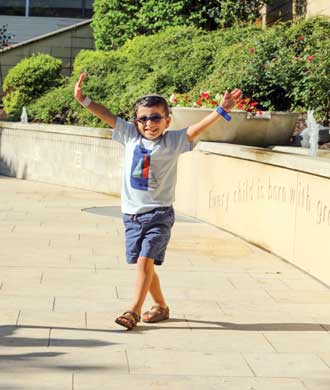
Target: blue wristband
x=223, y=113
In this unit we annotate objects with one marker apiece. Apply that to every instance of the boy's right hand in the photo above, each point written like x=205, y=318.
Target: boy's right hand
x=78, y=94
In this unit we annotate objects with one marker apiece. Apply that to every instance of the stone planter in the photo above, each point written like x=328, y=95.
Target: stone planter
x=271, y=128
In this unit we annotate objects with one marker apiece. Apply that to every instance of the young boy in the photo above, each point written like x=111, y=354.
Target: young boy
x=151, y=157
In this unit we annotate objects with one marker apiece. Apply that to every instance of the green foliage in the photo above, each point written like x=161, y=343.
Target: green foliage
x=55, y=106
x=287, y=67
x=233, y=11
x=28, y=80
x=116, y=21
x=276, y=67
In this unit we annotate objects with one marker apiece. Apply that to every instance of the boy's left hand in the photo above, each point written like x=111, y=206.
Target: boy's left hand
x=229, y=99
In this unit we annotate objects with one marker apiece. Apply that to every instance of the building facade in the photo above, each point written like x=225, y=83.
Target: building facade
x=291, y=9
x=52, y=8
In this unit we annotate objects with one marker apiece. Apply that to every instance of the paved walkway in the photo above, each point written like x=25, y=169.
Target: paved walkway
x=240, y=318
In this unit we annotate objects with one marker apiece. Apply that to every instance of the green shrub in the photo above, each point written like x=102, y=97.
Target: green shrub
x=28, y=80
x=287, y=67
x=116, y=21
x=55, y=106
x=276, y=67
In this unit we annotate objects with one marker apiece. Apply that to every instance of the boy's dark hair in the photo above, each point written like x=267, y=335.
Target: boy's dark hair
x=151, y=101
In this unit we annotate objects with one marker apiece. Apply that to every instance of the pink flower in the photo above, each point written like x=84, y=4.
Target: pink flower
x=310, y=58
x=252, y=50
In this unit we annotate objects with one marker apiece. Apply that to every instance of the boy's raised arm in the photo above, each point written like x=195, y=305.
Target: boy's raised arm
x=228, y=102
x=97, y=109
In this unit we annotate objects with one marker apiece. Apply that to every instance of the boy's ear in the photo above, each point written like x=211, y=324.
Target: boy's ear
x=168, y=121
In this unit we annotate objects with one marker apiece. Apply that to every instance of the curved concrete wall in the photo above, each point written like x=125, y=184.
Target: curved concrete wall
x=272, y=199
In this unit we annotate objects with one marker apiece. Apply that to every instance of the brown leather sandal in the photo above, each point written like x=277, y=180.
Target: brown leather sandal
x=128, y=321
x=156, y=314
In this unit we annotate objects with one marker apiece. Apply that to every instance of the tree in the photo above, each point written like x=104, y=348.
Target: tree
x=4, y=37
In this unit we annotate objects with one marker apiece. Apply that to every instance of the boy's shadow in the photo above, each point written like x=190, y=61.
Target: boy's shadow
x=223, y=326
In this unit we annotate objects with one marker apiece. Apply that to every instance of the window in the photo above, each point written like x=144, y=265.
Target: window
x=58, y=8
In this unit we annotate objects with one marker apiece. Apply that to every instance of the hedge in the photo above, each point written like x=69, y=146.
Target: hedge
x=284, y=68
x=28, y=80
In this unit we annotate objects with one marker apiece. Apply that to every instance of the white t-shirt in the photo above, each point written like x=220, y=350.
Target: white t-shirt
x=150, y=169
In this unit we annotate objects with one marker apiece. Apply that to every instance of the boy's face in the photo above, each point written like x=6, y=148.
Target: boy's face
x=152, y=121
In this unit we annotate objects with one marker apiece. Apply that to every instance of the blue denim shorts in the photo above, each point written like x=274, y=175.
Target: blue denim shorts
x=148, y=234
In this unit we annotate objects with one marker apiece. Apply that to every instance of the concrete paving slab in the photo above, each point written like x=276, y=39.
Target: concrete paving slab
x=288, y=365
x=161, y=362
x=37, y=381
x=240, y=317
x=23, y=337
x=183, y=382
x=305, y=341
x=316, y=384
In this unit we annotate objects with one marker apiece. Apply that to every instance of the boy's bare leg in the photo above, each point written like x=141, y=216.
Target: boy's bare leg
x=156, y=292
x=145, y=274
x=146, y=280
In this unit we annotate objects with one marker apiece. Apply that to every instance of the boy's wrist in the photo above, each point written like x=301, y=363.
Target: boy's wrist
x=221, y=111
x=86, y=102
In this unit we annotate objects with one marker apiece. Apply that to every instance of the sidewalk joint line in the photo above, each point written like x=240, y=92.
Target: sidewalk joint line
x=268, y=341
x=49, y=336
x=187, y=321
x=41, y=277
x=127, y=362
x=254, y=374
x=220, y=308
x=321, y=325
x=13, y=228
x=95, y=270
x=72, y=381
x=116, y=292
x=86, y=324
x=18, y=317
x=54, y=302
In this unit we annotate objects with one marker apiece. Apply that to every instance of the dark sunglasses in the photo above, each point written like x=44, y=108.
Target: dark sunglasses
x=153, y=118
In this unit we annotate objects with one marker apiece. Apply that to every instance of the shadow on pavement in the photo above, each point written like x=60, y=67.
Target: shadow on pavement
x=115, y=212
x=7, y=338
x=257, y=327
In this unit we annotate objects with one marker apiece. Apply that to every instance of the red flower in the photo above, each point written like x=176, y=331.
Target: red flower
x=199, y=102
x=252, y=50
x=301, y=38
x=310, y=58
x=205, y=95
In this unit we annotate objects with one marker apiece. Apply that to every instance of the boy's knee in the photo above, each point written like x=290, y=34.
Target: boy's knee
x=145, y=264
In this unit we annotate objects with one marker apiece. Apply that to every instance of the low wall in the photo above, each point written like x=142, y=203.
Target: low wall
x=72, y=156
x=278, y=199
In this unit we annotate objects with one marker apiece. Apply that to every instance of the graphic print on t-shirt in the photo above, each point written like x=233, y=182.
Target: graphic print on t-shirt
x=140, y=168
